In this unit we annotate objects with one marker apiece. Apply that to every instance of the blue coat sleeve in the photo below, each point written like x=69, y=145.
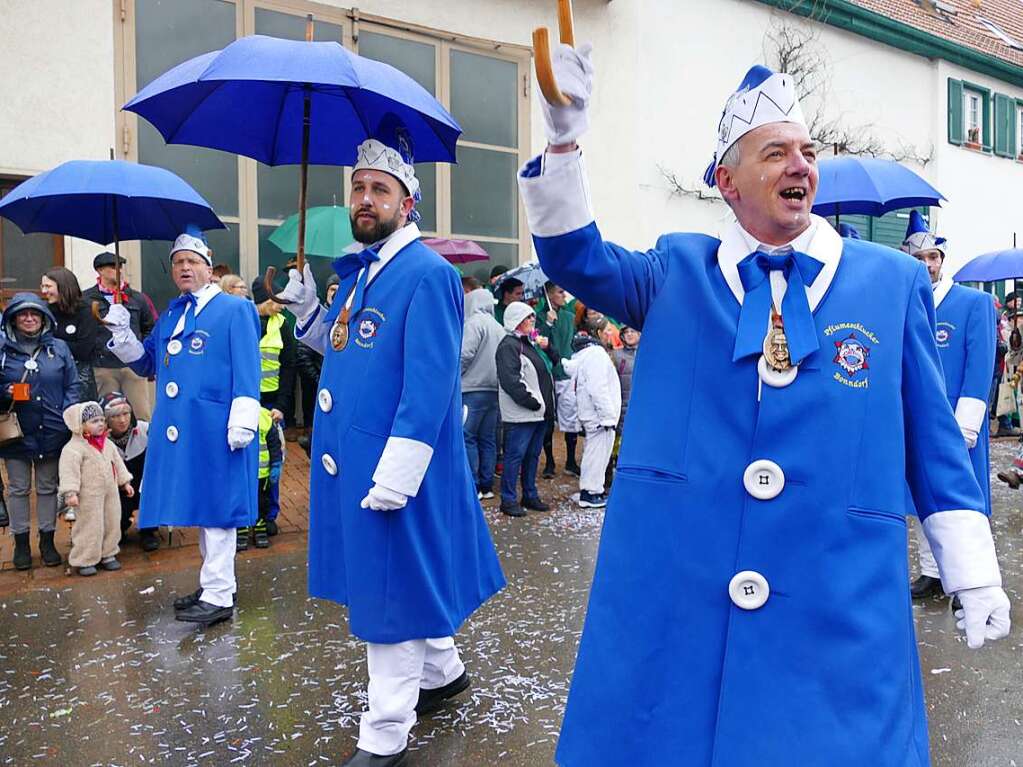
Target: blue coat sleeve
x=938, y=466
x=980, y=349
x=430, y=379
x=145, y=366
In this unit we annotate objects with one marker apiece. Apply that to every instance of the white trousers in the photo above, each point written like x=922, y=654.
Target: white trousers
x=924, y=554
x=216, y=577
x=596, y=453
x=396, y=672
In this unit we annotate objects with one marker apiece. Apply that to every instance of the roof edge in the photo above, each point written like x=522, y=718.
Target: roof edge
x=854, y=18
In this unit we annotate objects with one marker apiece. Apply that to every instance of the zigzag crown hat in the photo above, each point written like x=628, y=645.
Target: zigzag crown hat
x=763, y=97
x=919, y=237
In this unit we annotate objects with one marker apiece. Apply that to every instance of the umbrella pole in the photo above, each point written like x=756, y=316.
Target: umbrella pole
x=117, y=257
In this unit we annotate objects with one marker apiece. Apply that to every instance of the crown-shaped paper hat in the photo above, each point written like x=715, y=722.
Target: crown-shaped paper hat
x=919, y=237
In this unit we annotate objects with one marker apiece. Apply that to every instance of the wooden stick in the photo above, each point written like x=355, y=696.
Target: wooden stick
x=542, y=54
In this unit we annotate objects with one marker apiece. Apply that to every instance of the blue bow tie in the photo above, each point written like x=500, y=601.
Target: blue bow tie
x=188, y=304
x=799, y=270
x=348, y=268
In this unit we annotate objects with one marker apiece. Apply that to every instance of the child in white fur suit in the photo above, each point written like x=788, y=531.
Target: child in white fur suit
x=91, y=470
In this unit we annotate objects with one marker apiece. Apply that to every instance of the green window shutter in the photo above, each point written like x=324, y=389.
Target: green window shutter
x=955, y=112
x=1013, y=126
x=985, y=120
x=1003, y=125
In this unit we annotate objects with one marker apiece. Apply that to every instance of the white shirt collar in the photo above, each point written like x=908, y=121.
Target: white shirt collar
x=388, y=249
x=202, y=297
x=820, y=241
x=941, y=289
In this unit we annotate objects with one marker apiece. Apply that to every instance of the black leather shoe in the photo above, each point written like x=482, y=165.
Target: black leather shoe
x=573, y=469
x=365, y=759
x=433, y=700
x=535, y=504
x=183, y=603
x=512, y=509
x=205, y=613
x=549, y=471
x=925, y=586
x=148, y=539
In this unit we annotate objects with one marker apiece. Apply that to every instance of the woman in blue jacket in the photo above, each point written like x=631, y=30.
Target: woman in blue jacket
x=31, y=354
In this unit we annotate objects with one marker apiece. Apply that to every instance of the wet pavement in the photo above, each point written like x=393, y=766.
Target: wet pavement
x=97, y=672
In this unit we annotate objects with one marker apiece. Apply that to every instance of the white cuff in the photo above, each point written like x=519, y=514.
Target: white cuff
x=964, y=549
x=403, y=465
x=127, y=350
x=970, y=414
x=558, y=200
x=244, y=414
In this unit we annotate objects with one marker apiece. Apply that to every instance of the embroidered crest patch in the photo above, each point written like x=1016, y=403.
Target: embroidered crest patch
x=367, y=326
x=852, y=355
x=943, y=335
x=198, y=343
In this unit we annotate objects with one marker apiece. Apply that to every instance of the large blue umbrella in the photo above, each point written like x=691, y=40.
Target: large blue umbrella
x=285, y=102
x=869, y=186
x=999, y=265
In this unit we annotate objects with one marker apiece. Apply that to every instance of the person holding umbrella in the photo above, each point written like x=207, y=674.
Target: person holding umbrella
x=965, y=333
x=396, y=532
x=779, y=413
x=204, y=353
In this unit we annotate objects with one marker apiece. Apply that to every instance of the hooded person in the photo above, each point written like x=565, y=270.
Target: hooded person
x=767, y=372
x=396, y=532
x=38, y=381
x=131, y=438
x=92, y=475
x=966, y=323
x=204, y=354
x=480, y=337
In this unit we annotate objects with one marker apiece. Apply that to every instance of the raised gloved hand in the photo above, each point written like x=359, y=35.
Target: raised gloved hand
x=118, y=322
x=573, y=72
x=985, y=614
x=239, y=437
x=380, y=498
x=300, y=292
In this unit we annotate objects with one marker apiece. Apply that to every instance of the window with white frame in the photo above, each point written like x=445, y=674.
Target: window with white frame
x=1019, y=131
x=972, y=116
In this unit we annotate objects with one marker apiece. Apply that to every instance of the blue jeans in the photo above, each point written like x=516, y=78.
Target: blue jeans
x=522, y=445
x=480, y=431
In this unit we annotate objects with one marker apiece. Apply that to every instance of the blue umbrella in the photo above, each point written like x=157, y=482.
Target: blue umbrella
x=869, y=186
x=285, y=101
x=999, y=265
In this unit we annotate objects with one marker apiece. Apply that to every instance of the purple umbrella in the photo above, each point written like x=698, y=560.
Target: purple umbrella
x=457, y=251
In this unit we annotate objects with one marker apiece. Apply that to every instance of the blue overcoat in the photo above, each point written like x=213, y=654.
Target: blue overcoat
x=192, y=478
x=389, y=410
x=675, y=666
x=965, y=334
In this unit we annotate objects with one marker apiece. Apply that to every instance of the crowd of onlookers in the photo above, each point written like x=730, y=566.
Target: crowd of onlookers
x=533, y=364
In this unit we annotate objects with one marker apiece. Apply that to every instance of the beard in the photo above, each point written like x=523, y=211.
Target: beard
x=379, y=229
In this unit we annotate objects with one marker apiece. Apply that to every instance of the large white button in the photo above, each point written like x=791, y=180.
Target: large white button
x=326, y=401
x=329, y=465
x=172, y=433
x=174, y=347
x=70, y=330
x=171, y=389
x=763, y=479
x=748, y=590
x=774, y=378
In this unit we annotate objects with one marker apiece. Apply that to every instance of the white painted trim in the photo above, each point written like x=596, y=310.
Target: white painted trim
x=964, y=549
x=403, y=465
x=941, y=289
x=244, y=413
x=558, y=200
x=127, y=351
x=970, y=414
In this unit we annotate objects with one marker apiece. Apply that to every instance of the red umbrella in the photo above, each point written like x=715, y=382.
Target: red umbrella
x=457, y=251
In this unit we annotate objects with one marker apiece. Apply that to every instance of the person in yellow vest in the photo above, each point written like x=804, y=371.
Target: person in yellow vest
x=277, y=372
x=271, y=461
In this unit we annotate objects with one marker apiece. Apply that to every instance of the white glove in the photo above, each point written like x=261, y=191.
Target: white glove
x=118, y=322
x=573, y=73
x=301, y=294
x=239, y=437
x=970, y=436
x=379, y=498
x=985, y=614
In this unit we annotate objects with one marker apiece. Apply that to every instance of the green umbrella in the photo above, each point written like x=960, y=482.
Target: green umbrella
x=328, y=231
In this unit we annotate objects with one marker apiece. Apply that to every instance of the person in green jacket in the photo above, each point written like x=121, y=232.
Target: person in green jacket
x=556, y=322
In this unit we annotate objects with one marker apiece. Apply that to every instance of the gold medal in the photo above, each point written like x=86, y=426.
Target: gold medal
x=339, y=333
x=776, y=345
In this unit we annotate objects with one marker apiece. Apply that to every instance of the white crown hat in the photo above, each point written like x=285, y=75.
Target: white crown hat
x=763, y=97
x=194, y=240
x=374, y=155
x=919, y=236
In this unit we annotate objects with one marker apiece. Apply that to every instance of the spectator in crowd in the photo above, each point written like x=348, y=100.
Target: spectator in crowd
x=111, y=373
x=38, y=382
x=271, y=461
x=470, y=283
x=509, y=291
x=556, y=322
x=526, y=394
x=91, y=471
x=599, y=400
x=131, y=438
x=624, y=361
x=480, y=338
x=495, y=275
x=310, y=363
x=234, y=285
x=219, y=271
x=75, y=324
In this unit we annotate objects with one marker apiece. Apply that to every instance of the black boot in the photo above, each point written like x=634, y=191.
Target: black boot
x=926, y=586
x=22, y=553
x=47, y=550
x=5, y=519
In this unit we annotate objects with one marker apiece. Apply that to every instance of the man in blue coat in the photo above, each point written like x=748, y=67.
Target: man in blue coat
x=396, y=532
x=965, y=334
x=202, y=461
x=787, y=388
